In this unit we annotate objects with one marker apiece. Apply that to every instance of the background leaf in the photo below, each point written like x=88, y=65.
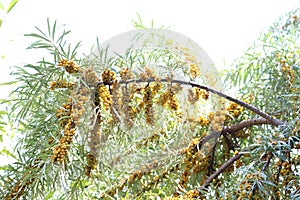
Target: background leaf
x=1, y=6
x=11, y=5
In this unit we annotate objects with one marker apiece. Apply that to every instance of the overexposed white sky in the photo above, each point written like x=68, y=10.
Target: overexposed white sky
x=224, y=29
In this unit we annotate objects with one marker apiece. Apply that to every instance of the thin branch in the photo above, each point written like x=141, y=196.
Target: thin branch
x=267, y=163
x=245, y=124
x=221, y=169
x=254, y=188
x=278, y=172
x=212, y=159
x=272, y=120
x=213, y=135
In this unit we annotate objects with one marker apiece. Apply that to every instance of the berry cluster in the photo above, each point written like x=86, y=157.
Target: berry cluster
x=126, y=74
x=234, y=109
x=147, y=74
x=61, y=84
x=60, y=150
x=195, y=162
x=189, y=195
x=245, y=189
x=168, y=98
x=133, y=177
x=69, y=117
x=20, y=187
x=148, y=102
x=127, y=107
x=194, y=94
x=154, y=137
x=198, y=121
x=69, y=66
x=80, y=99
x=216, y=119
x=91, y=164
x=64, y=113
x=90, y=77
x=108, y=76
x=194, y=70
x=105, y=96
x=287, y=71
x=286, y=172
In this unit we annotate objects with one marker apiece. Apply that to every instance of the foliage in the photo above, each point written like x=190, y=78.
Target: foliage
x=4, y=11
x=92, y=127
x=269, y=73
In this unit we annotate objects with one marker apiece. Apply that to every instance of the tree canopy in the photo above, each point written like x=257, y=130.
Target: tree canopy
x=155, y=123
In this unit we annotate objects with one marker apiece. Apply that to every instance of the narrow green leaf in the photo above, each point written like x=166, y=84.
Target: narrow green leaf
x=74, y=52
x=7, y=153
x=8, y=83
x=60, y=39
x=0, y=22
x=49, y=27
x=49, y=195
x=3, y=167
x=53, y=30
x=269, y=183
x=37, y=28
x=11, y=5
x=37, y=36
x=69, y=51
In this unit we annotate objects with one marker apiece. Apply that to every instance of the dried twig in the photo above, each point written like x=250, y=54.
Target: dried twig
x=221, y=169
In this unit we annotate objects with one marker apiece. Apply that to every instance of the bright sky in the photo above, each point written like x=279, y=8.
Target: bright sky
x=224, y=29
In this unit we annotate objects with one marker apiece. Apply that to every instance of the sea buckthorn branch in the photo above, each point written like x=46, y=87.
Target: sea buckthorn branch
x=189, y=160
x=228, y=145
x=254, y=188
x=235, y=158
x=29, y=177
x=221, y=169
x=272, y=120
x=70, y=116
x=233, y=129
x=192, y=158
x=21, y=186
x=213, y=135
x=148, y=101
x=60, y=150
x=131, y=178
x=212, y=157
x=278, y=171
x=194, y=162
x=159, y=178
x=244, y=124
x=94, y=139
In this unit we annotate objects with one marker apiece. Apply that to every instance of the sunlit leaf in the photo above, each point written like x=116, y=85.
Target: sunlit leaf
x=11, y=5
